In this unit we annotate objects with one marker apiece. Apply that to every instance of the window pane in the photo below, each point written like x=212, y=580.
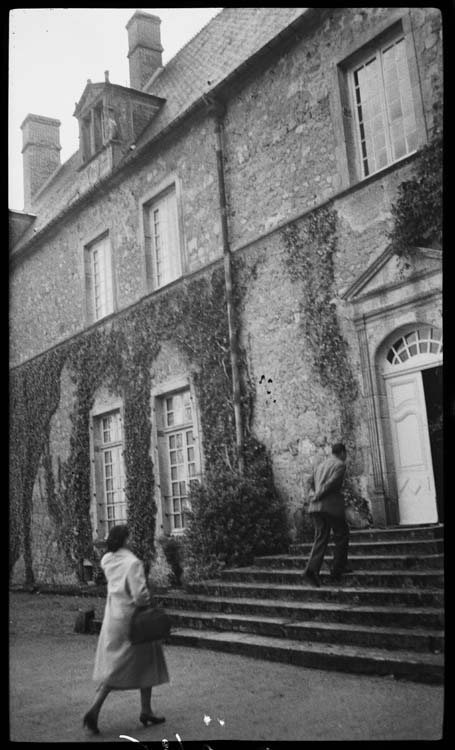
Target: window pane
x=165, y=239
x=399, y=148
x=425, y=333
x=386, y=123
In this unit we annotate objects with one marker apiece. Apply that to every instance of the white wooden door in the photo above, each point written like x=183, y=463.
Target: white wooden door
x=411, y=448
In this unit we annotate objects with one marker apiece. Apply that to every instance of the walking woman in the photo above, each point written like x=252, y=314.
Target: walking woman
x=120, y=665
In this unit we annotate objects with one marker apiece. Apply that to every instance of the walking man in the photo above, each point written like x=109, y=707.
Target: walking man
x=327, y=512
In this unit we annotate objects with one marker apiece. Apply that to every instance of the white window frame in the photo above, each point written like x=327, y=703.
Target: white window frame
x=162, y=228
x=99, y=279
x=112, y=497
x=172, y=431
x=160, y=435
x=367, y=159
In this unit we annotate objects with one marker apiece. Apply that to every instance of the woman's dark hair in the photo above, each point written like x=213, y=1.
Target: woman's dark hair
x=338, y=449
x=117, y=538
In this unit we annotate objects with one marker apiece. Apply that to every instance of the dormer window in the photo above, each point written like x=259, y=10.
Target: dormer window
x=97, y=114
x=97, y=128
x=111, y=115
x=86, y=138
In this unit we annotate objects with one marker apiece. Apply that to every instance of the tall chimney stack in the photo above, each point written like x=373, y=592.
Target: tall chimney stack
x=41, y=153
x=144, y=48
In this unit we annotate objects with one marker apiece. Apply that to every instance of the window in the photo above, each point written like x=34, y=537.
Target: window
x=381, y=105
x=94, y=130
x=99, y=286
x=425, y=340
x=162, y=239
x=180, y=457
x=109, y=468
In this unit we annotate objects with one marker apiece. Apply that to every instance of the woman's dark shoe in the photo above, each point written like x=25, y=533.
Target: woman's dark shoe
x=147, y=719
x=90, y=722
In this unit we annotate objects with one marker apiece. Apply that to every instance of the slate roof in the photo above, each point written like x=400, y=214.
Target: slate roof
x=230, y=38
x=227, y=41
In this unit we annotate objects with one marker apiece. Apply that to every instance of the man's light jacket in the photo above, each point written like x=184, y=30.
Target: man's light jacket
x=326, y=482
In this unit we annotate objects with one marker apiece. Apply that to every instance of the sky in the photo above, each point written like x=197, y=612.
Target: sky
x=52, y=53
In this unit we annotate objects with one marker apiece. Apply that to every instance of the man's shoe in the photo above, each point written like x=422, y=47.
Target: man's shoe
x=312, y=577
x=337, y=577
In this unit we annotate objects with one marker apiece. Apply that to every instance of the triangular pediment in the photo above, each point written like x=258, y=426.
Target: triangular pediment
x=90, y=93
x=388, y=270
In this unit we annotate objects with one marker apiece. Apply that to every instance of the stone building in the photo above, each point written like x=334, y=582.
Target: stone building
x=277, y=145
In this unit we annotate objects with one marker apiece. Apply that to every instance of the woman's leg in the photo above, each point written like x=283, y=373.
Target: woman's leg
x=103, y=693
x=147, y=716
x=91, y=717
x=146, y=700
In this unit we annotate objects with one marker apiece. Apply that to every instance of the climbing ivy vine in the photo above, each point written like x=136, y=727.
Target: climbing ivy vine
x=34, y=396
x=417, y=211
x=310, y=247
x=119, y=357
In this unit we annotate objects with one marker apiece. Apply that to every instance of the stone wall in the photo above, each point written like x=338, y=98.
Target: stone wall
x=282, y=158
x=284, y=150
x=48, y=288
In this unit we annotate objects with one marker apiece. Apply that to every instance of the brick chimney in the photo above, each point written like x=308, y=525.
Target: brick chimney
x=144, y=48
x=41, y=153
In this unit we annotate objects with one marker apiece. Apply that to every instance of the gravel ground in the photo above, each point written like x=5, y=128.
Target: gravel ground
x=212, y=696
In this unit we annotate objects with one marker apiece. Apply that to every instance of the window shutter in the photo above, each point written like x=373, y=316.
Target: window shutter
x=88, y=285
x=173, y=237
x=109, y=294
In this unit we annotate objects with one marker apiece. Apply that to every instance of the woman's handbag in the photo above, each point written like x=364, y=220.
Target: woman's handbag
x=149, y=624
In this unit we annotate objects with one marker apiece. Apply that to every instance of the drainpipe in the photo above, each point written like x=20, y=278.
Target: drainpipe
x=218, y=110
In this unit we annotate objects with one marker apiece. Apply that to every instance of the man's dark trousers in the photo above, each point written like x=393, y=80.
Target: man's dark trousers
x=323, y=523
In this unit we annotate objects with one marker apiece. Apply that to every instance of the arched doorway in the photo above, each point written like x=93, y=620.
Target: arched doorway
x=412, y=375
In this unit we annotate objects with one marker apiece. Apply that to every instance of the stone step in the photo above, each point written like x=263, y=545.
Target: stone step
x=395, y=533
x=362, y=578
x=422, y=640
x=375, y=562
x=414, y=597
x=409, y=665
x=392, y=615
x=401, y=547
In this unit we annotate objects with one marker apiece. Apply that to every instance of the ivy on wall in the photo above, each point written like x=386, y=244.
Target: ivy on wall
x=119, y=357
x=34, y=396
x=417, y=211
x=310, y=247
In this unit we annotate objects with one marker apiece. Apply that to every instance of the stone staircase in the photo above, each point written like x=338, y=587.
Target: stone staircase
x=386, y=618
